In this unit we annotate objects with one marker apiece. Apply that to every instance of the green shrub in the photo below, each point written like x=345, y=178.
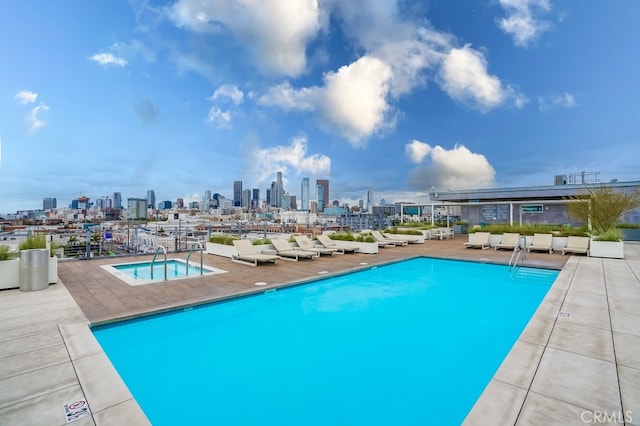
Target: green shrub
x=222, y=239
x=628, y=225
x=33, y=242
x=342, y=236
x=395, y=230
x=612, y=234
x=260, y=241
x=7, y=254
x=530, y=229
x=365, y=237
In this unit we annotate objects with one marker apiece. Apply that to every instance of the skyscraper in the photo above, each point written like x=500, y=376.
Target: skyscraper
x=136, y=208
x=246, y=198
x=237, y=193
x=369, y=200
x=323, y=199
x=117, y=200
x=304, y=194
x=276, y=196
x=49, y=203
x=151, y=199
x=255, y=199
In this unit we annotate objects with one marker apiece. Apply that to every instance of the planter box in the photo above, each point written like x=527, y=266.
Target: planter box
x=53, y=269
x=368, y=248
x=221, y=250
x=9, y=274
x=609, y=249
x=34, y=269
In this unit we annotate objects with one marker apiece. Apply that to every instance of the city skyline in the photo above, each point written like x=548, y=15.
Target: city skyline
x=398, y=97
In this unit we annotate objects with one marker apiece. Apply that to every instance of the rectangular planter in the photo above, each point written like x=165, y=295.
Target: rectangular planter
x=53, y=269
x=368, y=248
x=9, y=274
x=221, y=250
x=609, y=249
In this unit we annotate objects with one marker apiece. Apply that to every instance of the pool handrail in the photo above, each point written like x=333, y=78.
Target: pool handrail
x=164, y=250
x=193, y=246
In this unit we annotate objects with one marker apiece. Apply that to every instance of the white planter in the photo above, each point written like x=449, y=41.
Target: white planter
x=221, y=250
x=53, y=269
x=610, y=249
x=9, y=274
x=367, y=248
x=558, y=243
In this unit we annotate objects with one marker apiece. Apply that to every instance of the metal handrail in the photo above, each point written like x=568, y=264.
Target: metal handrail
x=193, y=246
x=164, y=250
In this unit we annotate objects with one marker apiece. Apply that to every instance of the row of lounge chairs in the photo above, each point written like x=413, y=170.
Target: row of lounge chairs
x=540, y=242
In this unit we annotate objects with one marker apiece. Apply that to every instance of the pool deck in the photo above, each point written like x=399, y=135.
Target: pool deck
x=575, y=363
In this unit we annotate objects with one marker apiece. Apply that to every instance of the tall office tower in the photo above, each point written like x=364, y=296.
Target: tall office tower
x=255, y=198
x=100, y=204
x=136, y=208
x=369, y=200
x=325, y=193
x=304, y=194
x=237, y=193
x=180, y=203
x=207, y=194
x=108, y=202
x=321, y=200
x=49, y=203
x=361, y=204
x=268, y=196
x=151, y=199
x=276, y=196
x=117, y=200
x=206, y=201
x=246, y=198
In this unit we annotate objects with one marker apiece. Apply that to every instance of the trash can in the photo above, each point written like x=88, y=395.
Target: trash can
x=34, y=269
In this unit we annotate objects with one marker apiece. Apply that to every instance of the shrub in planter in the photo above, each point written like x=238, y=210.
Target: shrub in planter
x=7, y=254
x=222, y=239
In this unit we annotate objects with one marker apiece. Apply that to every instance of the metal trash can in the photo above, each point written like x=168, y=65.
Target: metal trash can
x=34, y=269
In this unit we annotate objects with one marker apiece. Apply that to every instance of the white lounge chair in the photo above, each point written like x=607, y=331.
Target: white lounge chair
x=329, y=243
x=285, y=251
x=382, y=239
x=541, y=242
x=478, y=240
x=306, y=244
x=247, y=254
x=384, y=244
x=410, y=239
x=441, y=233
x=577, y=245
x=509, y=241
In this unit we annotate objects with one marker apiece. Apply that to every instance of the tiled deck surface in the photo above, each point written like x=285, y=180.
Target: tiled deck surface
x=577, y=357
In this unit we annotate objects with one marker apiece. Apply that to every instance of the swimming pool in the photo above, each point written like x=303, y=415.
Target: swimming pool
x=410, y=343
x=138, y=273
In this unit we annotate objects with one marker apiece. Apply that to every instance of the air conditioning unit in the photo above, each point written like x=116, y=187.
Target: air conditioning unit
x=560, y=180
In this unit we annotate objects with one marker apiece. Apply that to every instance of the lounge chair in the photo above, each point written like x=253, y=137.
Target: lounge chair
x=577, y=245
x=384, y=244
x=509, y=241
x=441, y=233
x=410, y=239
x=478, y=240
x=247, y=254
x=541, y=242
x=306, y=244
x=329, y=243
x=382, y=239
x=285, y=251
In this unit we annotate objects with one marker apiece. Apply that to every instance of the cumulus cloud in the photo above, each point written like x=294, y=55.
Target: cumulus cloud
x=563, y=100
x=26, y=97
x=107, y=59
x=34, y=118
x=521, y=21
x=456, y=168
x=228, y=91
x=267, y=161
x=465, y=78
x=275, y=31
x=219, y=118
x=353, y=100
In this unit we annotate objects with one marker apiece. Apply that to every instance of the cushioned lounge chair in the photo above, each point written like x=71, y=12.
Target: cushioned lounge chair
x=285, y=251
x=306, y=244
x=410, y=239
x=478, y=240
x=382, y=239
x=247, y=253
x=509, y=241
x=329, y=243
x=577, y=245
x=541, y=242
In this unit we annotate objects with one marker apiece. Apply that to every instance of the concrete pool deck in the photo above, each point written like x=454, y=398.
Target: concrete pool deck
x=576, y=361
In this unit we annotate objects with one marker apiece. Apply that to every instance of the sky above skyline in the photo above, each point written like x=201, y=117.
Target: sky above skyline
x=397, y=96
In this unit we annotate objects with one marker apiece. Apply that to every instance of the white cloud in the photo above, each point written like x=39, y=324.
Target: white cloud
x=417, y=151
x=106, y=59
x=26, y=97
x=353, y=101
x=521, y=21
x=267, y=161
x=464, y=77
x=229, y=91
x=563, y=100
x=275, y=31
x=34, y=118
x=457, y=168
x=219, y=118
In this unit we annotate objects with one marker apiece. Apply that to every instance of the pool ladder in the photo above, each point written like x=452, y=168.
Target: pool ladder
x=517, y=255
x=193, y=246
x=164, y=250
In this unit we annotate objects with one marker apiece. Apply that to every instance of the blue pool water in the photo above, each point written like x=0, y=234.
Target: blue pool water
x=411, y=343
x=175, y=269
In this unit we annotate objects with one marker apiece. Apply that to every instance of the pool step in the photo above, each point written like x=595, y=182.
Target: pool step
x=532, y=275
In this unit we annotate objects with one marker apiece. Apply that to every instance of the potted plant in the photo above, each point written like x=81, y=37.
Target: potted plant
x=460, y=228
x=601, y=208
x=9, y=268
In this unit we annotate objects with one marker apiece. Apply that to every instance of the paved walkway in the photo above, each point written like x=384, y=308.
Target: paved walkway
x=576, y=360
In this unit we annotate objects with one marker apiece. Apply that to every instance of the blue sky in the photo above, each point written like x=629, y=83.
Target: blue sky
x=397, y=97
